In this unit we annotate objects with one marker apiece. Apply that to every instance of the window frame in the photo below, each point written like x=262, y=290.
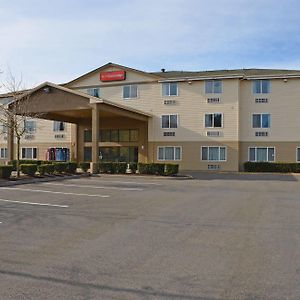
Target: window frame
x=130, y=89
x=261, y=114
x=36, y=153
x=3, y=150
x=91, y=92
x=169, y=115
x=169, y=89
x=59, y=130
x=261, y=86
x=30, y=131
x=266, y=147
x=222, y=120
x=297, y=154
x=174, y=152
x=213, y=86
x=219, y=151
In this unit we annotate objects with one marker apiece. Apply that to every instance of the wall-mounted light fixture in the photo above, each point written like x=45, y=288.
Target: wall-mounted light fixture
x=46, y=90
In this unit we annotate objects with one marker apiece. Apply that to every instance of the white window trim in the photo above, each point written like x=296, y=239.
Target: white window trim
x=222, y=123
x=93, y=88
x=5, y=151
x=261, y=87
x=297, y=154
x=169, y=121
x=208, y=160
x=35, y=126
x=213, y=93
x=137, y=91
x=169, y=83
x=59, y=130
x=32, y=153
x=267, y=147
x=261, y=113
x=157, y=153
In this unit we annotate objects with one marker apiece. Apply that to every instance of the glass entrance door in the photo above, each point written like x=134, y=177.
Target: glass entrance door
x=122, y=154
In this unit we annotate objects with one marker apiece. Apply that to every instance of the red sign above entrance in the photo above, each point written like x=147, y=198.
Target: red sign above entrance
x=112, y=76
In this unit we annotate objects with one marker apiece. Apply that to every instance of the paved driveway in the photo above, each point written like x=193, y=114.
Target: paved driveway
x=216, y=237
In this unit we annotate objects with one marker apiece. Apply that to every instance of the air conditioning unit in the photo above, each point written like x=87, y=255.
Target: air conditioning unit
x=169, y=133
x=169, y=102
x=213, y=133
x=261, y=133
x=59, y=136
x=213, y=100
x=29, y=137
x=261, y=100
x=213, y=167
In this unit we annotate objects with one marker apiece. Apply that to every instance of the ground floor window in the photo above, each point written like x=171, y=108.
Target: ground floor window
x=29, y=153
x=262, y=154
x=298, y=154
x=3, y=152
x=169, y=153
x=213, y=153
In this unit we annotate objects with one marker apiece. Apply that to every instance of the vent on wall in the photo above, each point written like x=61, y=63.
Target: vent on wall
x=169, y=102
x=59, y=136
x=213, y=100
x=261, y=100
x=261, y=133
x=29, y=137
x=213, y=133
x=169, y=133
x=213, y=167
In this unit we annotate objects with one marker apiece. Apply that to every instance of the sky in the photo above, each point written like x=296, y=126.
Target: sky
x=59, y=40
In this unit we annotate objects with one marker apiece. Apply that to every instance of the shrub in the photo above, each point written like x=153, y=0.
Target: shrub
x=45, y=169
x=84, y=166
x=171, y=169
x=72, y=167
x=113, y=167
x=272, y=167
x=28, y=169
x=106, y=167
x=60, y=167
x=133, y=166
x=25, y=162
x=152, y=168
x=5, y=171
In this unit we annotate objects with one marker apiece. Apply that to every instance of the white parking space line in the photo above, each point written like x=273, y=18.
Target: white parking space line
x=52, y=192
x=94, y=187
x=33, y=203
x=125, y=182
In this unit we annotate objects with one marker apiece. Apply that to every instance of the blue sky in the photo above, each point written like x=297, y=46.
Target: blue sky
x=59, y=40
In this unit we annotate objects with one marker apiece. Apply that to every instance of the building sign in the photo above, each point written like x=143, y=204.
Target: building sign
x=112, y=76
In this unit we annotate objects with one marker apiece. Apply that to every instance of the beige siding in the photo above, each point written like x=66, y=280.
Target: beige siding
x=283, y=105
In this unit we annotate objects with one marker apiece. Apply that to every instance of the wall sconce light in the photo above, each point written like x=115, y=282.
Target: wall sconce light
x=142, y=147
x=46, y=90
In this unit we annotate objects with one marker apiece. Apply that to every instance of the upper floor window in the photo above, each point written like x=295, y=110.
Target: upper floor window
x=29, y=153
x=261, y=86
x=298, y=154
x=30, y=126
x=58, y=126
x=213, y=86
x=130, y=91
x=95, y=92
x=170, y=89
x=169, y=121
x=213, y=153
x=214, y=120
x=3, y=128
x=3, y=152
x=262, y=154
x=261, y=120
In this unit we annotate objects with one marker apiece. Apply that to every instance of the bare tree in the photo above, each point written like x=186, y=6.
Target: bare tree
x=15, y=113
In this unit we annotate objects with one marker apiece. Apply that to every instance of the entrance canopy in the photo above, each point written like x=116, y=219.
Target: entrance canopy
x=54, y=102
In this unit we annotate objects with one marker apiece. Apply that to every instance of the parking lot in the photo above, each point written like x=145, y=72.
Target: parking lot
x=123, y=237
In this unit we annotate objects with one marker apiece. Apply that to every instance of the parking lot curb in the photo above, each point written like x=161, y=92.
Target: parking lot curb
x=37, y=180
x=178, y=177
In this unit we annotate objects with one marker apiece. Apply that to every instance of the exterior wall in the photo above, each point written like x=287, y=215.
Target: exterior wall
x=191, y=155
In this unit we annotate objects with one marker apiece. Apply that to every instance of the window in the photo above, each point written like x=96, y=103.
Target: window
x=261, y=86
x=298, y=154
x=213, y=86
x=95, y=92
x=87, y=137
x=169, y=121
x=130, y=91
x=3, y=152
x=169, y=153
x=3, y=128
x=214, y=120
x=170, y=89
x=262, y=154
x=29, y=153
x=119, y=135
x=213, y=153
x=58, y=126
x=30, y=126
x=261, y=120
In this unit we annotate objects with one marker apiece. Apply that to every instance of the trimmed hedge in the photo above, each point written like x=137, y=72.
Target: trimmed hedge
x=72, y=167
x=25, y=162
x=152, y=168
x=60, y=167
x=45, y=169
x=5, y=171
x=84, y=166
x=171, y=169
x=272, y=167
x=28, y=169
x=133, y=166
x=113, y=167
